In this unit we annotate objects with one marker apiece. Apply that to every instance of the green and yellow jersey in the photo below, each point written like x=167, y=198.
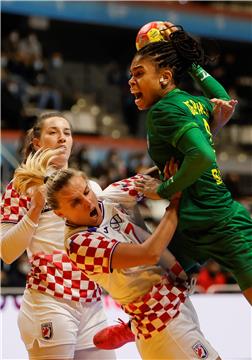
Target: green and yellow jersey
x=178, y=126
x=211, y=224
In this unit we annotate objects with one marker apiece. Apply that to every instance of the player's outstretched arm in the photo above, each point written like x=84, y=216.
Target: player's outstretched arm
x=209, y=85
x=149, y=252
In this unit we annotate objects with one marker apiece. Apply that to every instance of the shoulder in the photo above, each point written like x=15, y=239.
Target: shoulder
x=123, y=191
x=172, y=104
x=13, y=205
x=86, y=245
x=10, y=192
x=86, y=238
x=95, y=187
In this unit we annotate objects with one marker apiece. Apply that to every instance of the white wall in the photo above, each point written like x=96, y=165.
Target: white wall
x=226, y=320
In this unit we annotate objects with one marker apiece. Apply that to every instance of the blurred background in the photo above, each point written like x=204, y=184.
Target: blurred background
x=74, y=57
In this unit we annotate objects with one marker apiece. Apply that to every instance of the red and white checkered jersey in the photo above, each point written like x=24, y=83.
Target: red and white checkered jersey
x=51, y=270
x=150, y=313
x=148, y=293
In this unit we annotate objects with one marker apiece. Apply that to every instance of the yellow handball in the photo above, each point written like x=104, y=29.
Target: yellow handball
x=150, y=33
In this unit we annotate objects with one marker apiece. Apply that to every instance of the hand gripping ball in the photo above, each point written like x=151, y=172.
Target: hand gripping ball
x=150, y=33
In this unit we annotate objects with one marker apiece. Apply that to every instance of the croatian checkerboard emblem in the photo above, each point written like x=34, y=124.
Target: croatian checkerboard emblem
x=47, y=330
x=200, y=350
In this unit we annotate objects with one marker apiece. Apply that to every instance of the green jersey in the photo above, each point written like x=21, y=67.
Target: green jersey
x=207, y=200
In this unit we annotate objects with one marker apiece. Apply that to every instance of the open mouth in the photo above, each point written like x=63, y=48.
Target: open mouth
x=138, y=95
x=93, y=212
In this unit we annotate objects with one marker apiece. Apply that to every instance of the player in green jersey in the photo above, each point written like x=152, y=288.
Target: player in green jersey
x=180, y=126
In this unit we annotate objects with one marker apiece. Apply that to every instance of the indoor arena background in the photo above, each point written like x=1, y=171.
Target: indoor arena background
x=74, y=57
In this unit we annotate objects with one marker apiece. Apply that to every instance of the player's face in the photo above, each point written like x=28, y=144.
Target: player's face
x=56, y=133
x=78, y=203
x=145, y=82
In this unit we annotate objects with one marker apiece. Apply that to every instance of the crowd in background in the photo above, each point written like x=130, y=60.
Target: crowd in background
x=32, y=80
x=29, y=78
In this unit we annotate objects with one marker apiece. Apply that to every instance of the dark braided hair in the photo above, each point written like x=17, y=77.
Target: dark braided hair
x=178, y=53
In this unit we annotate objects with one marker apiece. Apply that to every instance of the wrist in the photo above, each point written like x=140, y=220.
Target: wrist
x=34, y=213
x=30, y=221
x=196, y=71
x=162, y=190
x=174, y=203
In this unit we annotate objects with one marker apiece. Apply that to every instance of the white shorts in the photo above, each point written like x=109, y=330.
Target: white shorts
x=54, y=322
x=181, y=339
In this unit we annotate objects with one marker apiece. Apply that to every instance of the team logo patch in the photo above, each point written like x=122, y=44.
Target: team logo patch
x=115, y=222
x=47, y=330
x=200, y=350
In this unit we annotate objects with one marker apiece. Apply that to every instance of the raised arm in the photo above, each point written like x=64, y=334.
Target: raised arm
x=149, y=252
x=82, y=246
x=224, y=107
x=22, y=204
x=16, y=236
x=208, y=84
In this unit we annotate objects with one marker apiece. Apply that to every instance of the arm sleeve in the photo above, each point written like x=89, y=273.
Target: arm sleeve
x=210, y=87
x=91, y=252
x=123, y=192
x=199, y=156
x=15, y=238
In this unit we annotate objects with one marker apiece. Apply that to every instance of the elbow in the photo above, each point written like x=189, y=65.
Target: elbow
x=6, y=259
x=206, y=160
x=5, y=256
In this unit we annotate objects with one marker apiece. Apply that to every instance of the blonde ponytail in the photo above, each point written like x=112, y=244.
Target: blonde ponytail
x=35, y=170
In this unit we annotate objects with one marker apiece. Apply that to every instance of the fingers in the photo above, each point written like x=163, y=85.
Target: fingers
x=176, y=167
x=226, y=103
x=150, y=170
x=170, y=28
x=168, y=23
x=139, y=186
x=233, y=102
x=171, y=166
x=146, y=180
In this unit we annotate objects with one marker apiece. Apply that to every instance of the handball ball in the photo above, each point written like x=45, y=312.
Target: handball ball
x=149, y=33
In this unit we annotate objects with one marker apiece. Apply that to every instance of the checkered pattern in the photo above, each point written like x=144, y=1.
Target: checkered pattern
x=13, y=206
x=90, y=252
x=57, y=276
x=51, y=273
x=153, y=311
x=125, y=187
x=176, y=272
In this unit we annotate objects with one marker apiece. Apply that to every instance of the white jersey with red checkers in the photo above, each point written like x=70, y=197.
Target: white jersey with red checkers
x=51, y=270
x=151, y=295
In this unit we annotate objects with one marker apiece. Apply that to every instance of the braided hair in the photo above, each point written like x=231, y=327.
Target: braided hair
x=178, y=53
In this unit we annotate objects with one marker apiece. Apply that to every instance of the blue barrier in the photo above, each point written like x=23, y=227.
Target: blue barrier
x=134, y=16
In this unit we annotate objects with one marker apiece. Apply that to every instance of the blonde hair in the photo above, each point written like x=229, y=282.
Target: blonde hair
x=38, y=170
x=34, y=171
